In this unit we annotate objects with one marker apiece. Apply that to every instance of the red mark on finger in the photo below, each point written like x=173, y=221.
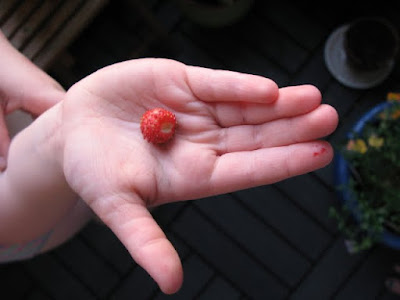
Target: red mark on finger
x=322, y=150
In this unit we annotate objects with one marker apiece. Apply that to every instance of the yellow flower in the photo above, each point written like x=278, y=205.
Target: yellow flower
x=383, y=115
x=395, y=114
x=393, y=96
x=392, y=114
x=375, y=141
x=357, y=145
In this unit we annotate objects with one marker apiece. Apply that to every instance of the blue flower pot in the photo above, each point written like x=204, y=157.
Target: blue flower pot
x=343, y=174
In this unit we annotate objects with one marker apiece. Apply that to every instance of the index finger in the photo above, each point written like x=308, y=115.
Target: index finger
x=292, y=101
x=221, y=86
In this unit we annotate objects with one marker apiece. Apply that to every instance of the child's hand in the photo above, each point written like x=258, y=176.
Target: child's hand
x=22, y=86
x=234, y=131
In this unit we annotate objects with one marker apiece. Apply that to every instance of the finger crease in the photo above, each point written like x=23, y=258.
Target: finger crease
x=223, y=137
x=255, y=135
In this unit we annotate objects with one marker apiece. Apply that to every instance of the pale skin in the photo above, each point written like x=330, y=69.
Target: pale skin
x=22, y=86
x=234, y=131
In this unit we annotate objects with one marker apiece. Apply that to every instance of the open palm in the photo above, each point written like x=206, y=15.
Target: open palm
x=234, y=131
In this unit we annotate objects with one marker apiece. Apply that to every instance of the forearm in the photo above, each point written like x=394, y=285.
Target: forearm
x=33, y=192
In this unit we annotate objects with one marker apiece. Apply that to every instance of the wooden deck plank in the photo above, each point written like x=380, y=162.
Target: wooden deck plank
x=18, y=17
x=274, y=44
x=83, y=263
x=363, y=283
x=313, y=71
x=315, y=200
x=226, y=257
x=137, y=284
x=389, y=296
x=234, y=53
x=14, y=281
x=37, y=294
x=310, y=238
x=328, y=274
x=56, y=280
x=256, y=238
x=189, y=53
x=293, y=22
x=219, y=289
x=101, y=238
x=28, y=28
x=51, y=27
x=6, y=8
x=67, y=32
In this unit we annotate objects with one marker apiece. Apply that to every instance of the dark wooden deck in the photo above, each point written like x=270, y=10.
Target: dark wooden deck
x=270, y=242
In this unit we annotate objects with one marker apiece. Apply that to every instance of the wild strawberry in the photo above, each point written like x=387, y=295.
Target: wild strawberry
x=158, y=125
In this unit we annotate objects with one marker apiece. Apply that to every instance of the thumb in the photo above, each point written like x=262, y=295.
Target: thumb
x=44, y=101
x=146, y=242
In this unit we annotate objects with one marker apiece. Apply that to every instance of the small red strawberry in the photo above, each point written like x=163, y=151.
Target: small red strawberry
x=158, y=125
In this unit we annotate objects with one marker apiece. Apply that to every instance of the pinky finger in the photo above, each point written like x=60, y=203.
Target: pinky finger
x=240, y=170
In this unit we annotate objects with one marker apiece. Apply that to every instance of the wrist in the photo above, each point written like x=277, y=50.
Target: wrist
x=37, y=151
x=50, y=142
x=34, y=192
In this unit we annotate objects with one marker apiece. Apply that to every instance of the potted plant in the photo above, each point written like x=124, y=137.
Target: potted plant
x=368, y=177
x=215, y=13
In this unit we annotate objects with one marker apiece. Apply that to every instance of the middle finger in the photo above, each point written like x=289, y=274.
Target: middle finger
x=282, y=132
x=292, y=101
